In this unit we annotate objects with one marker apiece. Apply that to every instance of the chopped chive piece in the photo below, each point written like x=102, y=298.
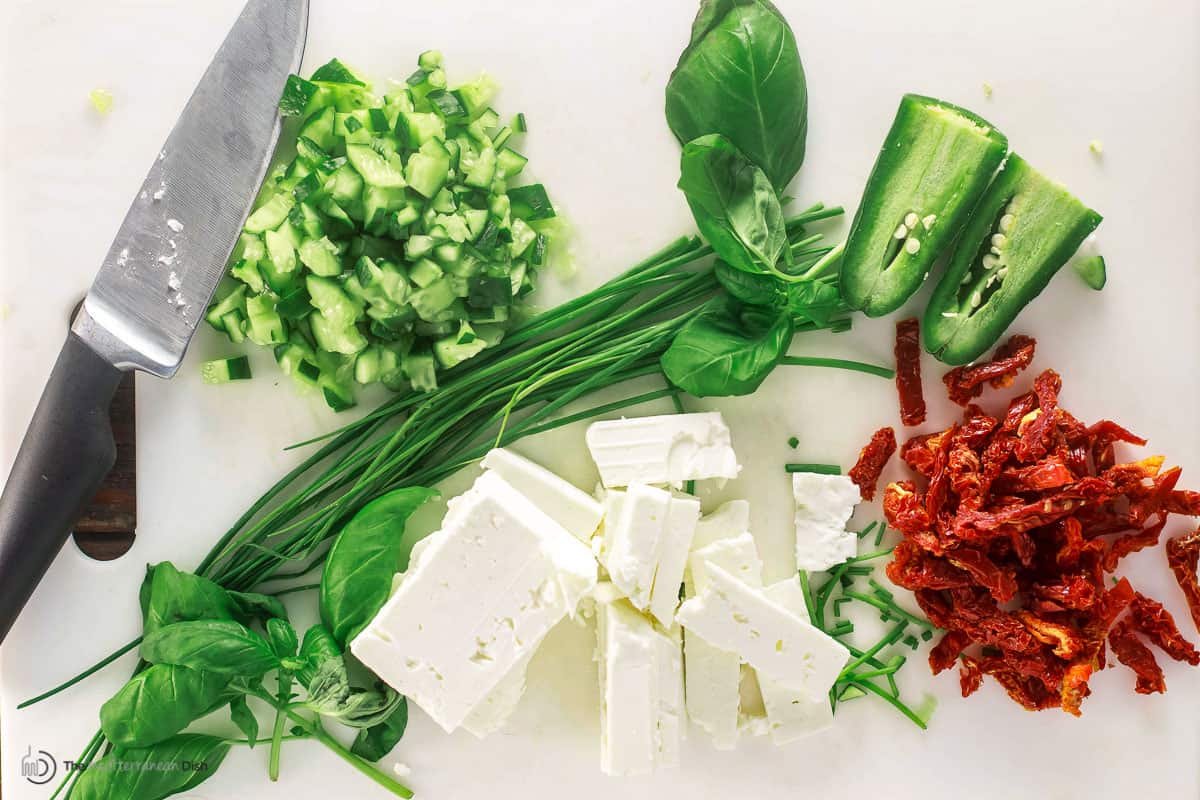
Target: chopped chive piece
x=820, y=469
x=842, y=628
x=911, y=641
x=518, y=124
x=814, y=611
x=867, y=530
x=879, y=536
x=880, y=591
x=869, y=556
x=859, y=571
x=793, y=442
x=837, y=605
x=919, y=720
x=926, y=635
x=889, y=609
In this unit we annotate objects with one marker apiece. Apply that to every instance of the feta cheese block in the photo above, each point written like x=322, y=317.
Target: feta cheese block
x=641, y=692
x=778, y=643
x=791, y=715
x=669, y=449
x=491, y=715
x=476, y=603
x=647, y=548
x=612, y=500
x=824, y=504
x=574, y=509
x=712, y=676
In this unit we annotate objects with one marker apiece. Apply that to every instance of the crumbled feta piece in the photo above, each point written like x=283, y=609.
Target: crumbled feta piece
x=824, y=504
x=566, y=504
x=712, y=675
x=791, y=715
x=476, y=602
x=647, y=548
x=778, y=643
x=671, y=449
x=641, y=692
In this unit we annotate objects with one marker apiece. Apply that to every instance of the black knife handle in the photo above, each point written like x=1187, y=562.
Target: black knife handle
x=66, y=453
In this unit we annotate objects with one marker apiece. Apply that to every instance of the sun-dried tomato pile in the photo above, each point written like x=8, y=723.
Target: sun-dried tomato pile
x=1009, y=541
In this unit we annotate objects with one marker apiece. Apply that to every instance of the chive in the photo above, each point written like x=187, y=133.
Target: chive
x=87, y=673
x=793, y=442
x=843, y=628
x=890, y=609
x=837, y=605
x=858, y=571
x=890, y=638
x=869, y=556
x=814, y=611
x=867, y=530
x=879, y=536
x=838, y=363
x=880, y=591
x=820, y=469
x=911, y=641
x=920, y=721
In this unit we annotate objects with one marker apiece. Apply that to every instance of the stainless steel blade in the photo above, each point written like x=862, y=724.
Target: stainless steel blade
x=171, y=250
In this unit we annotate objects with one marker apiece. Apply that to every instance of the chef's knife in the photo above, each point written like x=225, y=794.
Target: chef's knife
x=153, y=287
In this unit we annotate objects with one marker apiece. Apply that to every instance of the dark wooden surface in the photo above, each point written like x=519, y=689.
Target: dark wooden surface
x=107, y=527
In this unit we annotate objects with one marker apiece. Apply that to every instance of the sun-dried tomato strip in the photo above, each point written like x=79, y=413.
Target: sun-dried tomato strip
x=1157, y=624
x=1051, y=473
x=1132, y=542
x=1131, y=652
x=871, y=461
x=908, y=372
x=1075, y=686
x=1183, y=552
x=1066, y=641
x=966, y=383
x=1033, y=438
x=944, y=654
x=1075, y=592
x=1184, y=502
x=1002, y=583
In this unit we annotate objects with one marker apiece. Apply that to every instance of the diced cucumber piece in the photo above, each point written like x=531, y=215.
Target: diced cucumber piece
x=427, y=168
x=450, y=351
x=531, y=202
x=483, y=170
x=224, y=370
x=424, y=272
x=444, y=202
x=430, y=301
x=486, y=291
x=421, y=371
x=406, y=216
x=495, y=314
x=333, y=303
x=476, y=219
x=509, y=162
x=247, y=272
x=491, y=334
x=321, y=256
x=500, y=137
x=333, y=337
x=270, y=215
x=232, y=300
x=346, y=188
x=378, y=203
x=477, y=95
x=418, y=127
x=383, y=170
x=263, y=324
x=447, y=105
x=418, y=246
x=319, y=128
x=281, y=247
x=367, y=367
x=448, y=254
x=454, y=226
x=338, y=396
x=234, y=325
x=430, y=60
x=307, y=220
x=522, y=237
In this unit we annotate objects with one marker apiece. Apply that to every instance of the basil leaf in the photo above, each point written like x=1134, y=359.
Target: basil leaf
x=224, y=647
x=176, y=765
x=254, y=606
x=244, y=719
x=171, y=596
x=283, y=637
x=365, y=556
x=815, y=302
x=377, y=741
x=741, y=77
x=318, y=645
x=734, y=205
x=158, y=703
x=751, y=288
x=727, y=350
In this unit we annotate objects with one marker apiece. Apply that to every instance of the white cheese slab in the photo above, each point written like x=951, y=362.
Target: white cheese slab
x=792, y=715
x=737, y=555
x=729, y=519
x=492, y=714
x=775, y=641
x=641, y=692
x=485, y=590
x=824, y=504
x=646, y=548
x=574, y=509
x=666, y=449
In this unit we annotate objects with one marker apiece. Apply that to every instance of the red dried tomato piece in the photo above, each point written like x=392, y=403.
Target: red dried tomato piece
x=1132, y=542
x=1051, y=473
x=944, y=654
x=1131, y=652
x=918, y=452
x=1183, y=502
x=1033, y=435
x=1002, y=583
x=1073, y=592
x=908, y=372
x=963, y=384
x=1066, y=641
x=1030, y=692
x=1157, y=624
x=1075, y=687
x=1183, y=552
x=970, y=676
x=871, y=461
x=976, y=428
x=1103, y=435
x=913, y=568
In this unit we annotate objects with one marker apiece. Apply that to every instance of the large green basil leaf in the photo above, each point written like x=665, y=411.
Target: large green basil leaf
x=317, y=647
x=377, y=741
x=244, y=719
x=158, y=703
x=741, y=77
x=176, y=765
x=169, y=596
x=727, y=349
x=734, y=205
x=220, y=646
x=357, y=578
x=815, y=302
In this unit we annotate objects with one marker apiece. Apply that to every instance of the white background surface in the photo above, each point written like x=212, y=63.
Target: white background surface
x=590, y=78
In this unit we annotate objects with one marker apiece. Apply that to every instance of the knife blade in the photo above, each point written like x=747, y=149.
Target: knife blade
x=152, y=288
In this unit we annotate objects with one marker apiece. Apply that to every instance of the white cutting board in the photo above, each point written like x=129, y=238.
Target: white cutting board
x=590, y=78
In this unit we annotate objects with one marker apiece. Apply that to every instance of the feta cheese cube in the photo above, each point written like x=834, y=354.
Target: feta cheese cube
x=791, y=715
x=572, y=508
x=712, y=676
x=641, y=692
x=775, y=641
x=484, y=591
x=824, y=504
x=647, y=548
x=670, y=449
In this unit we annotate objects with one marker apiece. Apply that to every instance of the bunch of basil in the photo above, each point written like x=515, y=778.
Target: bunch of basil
x=738, y=104
x=205, y=647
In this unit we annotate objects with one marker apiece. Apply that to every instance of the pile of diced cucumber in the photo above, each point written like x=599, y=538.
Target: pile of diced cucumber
x=391, y=246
